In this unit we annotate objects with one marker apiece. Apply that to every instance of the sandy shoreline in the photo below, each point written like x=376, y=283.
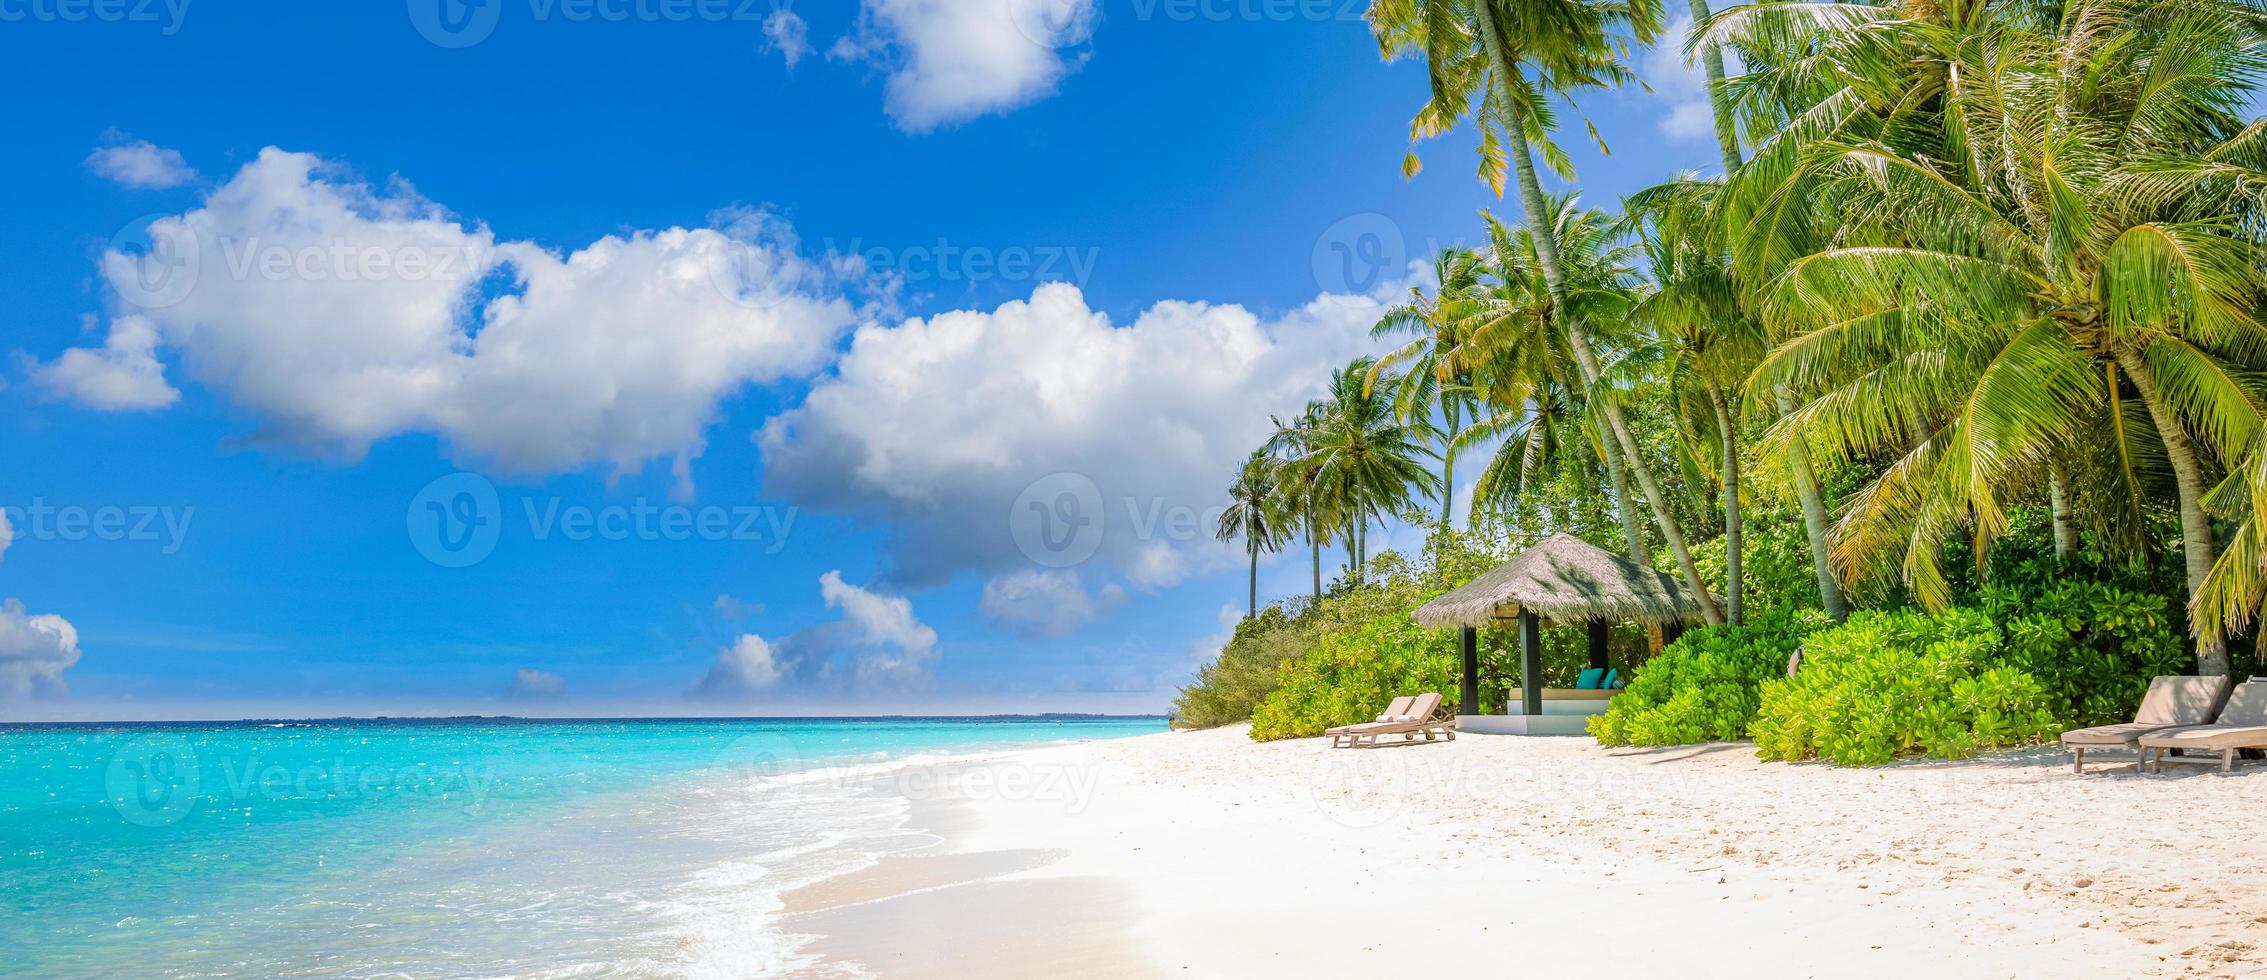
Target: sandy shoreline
x=1204, y=854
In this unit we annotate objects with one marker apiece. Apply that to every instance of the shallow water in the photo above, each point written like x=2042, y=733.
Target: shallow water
x=459, y=848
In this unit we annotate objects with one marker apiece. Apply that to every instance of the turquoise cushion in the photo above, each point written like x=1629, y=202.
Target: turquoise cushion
x=1591, y=680
x=1613, y=680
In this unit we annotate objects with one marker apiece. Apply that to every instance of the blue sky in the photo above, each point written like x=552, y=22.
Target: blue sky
x=798, y=306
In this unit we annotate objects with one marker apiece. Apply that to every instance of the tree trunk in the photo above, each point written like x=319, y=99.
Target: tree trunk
x=1734, y=590
x=1547, y=251
x=1448, y=464
x=1625, y=506
x=1254, y=548
x=1314, y=546
x=1727, y=134
x=1815, y=525
x=2065, y=521
x=2195, y=526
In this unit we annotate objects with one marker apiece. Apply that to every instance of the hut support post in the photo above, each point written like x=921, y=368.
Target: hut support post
x=1598, y=643
x=1669, y=633
x=1530, y=664
x=1470, y=641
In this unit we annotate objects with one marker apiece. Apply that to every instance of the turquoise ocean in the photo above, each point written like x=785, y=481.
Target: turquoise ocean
x=483, y=847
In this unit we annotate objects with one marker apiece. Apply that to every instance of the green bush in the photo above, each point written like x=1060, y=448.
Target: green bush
x=1350, y=674
x=1889, y=684
x=1227, y=689
x=1703, y=687
x=2093, y=644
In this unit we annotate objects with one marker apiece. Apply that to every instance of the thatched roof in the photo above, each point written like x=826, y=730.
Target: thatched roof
x=1563, y=579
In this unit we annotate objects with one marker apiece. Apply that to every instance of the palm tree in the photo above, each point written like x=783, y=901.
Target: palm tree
x=1255, y=513
x=1433, y=379
x=1709, y=342
x=1297, y=499
x=1362, y=462
x=2071, y=229
x=1518, y=55
x=1521, y=361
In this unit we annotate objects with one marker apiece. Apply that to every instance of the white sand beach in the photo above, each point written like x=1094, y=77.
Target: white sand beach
x=1205, y=854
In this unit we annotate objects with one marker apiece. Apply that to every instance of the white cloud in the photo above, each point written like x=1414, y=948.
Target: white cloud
x=733, y=608
x=878, y=646
x=532, y=684
x=34, y=652
x=1680, y=85
x=341, y=315
x=140, y=164
x=1204, y=648
x=1047, y=602
x=934, y=428
x=786, y=33
x=954, y=60
x=122, y=375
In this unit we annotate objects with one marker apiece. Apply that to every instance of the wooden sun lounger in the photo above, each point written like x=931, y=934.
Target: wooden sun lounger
x=2241, y=725
x=2171, y=702
x=1416, y=718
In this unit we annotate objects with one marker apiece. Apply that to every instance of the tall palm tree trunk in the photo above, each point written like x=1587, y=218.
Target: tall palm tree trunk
x=1712, y=60
x=2188, y=477
x=1625, y=505
x=1798, y=452
x=1253, y=547
x=1314, y=547
x=1547, y=251
x=1815, y=524
x=2065, y=521
x=1448, y=464
x=1734, y=579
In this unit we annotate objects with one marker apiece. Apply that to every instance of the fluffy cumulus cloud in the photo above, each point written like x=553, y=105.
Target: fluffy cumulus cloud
x=123, y=375
x=953, y=60
x=34, y=652
x=1680, y=85
x=878, y=646
x=139, y=164
x=1040, y=437
x=340, y=314
x=787, y=35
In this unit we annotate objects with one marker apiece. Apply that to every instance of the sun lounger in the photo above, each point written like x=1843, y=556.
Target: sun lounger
x=2242, y=724
x=2171, y=702
x=1416, y=718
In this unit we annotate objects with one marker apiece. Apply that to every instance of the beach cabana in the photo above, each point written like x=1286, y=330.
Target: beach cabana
x=1561, y=581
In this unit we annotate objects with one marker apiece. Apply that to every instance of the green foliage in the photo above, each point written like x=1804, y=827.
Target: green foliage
x=1703, y=687
x=1351, y=674
x=1226, y=690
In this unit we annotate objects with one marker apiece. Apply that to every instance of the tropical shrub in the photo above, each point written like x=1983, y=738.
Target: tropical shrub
x=1889, y=684
x=1702, y=688
x=1351, y=674
x=1227, y=689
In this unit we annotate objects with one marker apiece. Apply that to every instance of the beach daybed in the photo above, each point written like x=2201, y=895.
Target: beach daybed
x=2242, y=724
x=2170, y=702
x=1406, y=717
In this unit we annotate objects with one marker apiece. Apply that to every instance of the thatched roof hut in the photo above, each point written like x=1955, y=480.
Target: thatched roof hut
x=1563, y=579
